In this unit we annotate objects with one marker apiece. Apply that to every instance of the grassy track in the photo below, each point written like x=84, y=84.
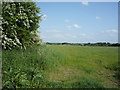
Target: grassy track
x=77, y=62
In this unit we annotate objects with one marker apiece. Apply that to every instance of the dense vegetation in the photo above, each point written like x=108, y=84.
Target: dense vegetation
x=19, y=34
x=61, y=66
x=19, y=24
x=23, y=68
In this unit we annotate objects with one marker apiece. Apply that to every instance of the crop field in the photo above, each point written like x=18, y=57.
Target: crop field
x=61, y=66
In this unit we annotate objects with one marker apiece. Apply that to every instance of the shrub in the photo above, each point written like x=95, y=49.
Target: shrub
x=19, y=24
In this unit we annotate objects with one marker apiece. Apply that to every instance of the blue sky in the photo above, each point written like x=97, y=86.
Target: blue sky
x=79, y=22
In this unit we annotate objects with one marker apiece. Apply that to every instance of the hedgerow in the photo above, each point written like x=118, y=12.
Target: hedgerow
x=19, y=24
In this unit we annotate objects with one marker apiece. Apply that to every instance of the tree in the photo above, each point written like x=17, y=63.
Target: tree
x=19, y=24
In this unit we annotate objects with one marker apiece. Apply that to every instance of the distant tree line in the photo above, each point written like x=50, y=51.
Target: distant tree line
x=86, y=44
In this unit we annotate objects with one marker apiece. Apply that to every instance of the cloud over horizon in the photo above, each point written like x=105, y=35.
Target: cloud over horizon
x=112, y=31
x=85, y=3
x=74, y=26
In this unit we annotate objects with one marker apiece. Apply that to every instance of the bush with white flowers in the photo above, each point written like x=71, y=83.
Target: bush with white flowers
x=19, y=24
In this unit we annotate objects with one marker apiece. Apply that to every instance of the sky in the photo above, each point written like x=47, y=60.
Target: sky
x=79, y=22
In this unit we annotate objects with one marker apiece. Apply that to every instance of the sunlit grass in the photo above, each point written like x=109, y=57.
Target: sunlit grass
x=78, y=61
x=60, y=66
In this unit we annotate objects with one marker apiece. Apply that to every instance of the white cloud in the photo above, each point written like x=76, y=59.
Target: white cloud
x=85, y=3
x=112, y=31
x=97, y=17
x=83, y=34
x=74, y=26
x=55, y=35
x=48, y=35
x=66, y=20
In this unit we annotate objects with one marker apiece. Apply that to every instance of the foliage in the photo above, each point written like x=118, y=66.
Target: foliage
x=60, y=66
x=19, y=24
x=23, y=68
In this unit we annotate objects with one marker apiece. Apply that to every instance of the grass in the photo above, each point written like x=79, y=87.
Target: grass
x=77, y=61
x=23, y=68
x=61, y=66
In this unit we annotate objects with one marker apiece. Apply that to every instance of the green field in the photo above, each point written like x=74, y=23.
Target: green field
x=77, y=62
x=61, y=66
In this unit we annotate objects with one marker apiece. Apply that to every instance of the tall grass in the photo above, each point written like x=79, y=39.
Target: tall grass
x=23, y=68
x=60, y=66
